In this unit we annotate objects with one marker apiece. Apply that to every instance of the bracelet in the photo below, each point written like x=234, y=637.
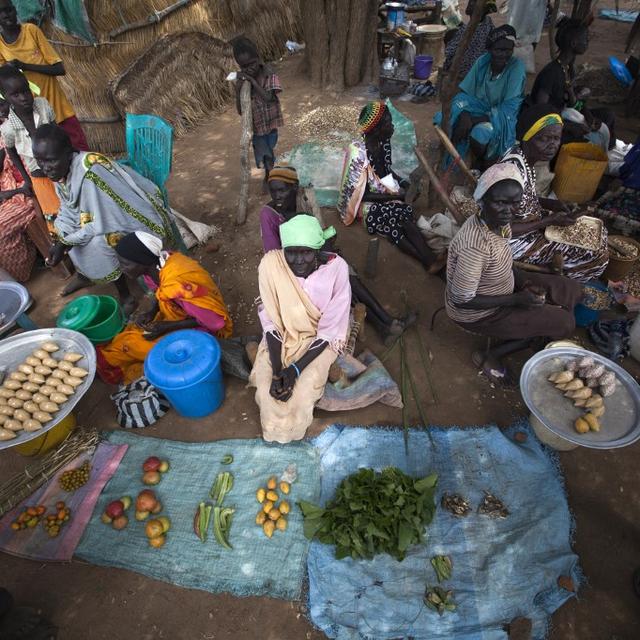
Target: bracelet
x=295, y=366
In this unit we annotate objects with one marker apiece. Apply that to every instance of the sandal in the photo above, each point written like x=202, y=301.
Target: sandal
x=499, y=377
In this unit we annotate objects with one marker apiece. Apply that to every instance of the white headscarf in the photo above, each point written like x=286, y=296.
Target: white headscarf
x=154, y=244
x=494, y=174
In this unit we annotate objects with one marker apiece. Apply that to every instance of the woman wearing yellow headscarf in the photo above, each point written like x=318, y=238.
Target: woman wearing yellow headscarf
x=186, y=297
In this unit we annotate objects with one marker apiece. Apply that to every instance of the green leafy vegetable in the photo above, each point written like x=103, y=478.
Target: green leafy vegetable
x=373, y=513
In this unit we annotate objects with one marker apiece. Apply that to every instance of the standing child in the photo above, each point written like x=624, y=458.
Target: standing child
x=25, y=47
x=265, y=105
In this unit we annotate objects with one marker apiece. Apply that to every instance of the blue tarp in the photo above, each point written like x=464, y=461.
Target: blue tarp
x=502, y=568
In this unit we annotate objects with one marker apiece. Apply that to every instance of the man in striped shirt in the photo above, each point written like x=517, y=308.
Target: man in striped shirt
x=486, y=295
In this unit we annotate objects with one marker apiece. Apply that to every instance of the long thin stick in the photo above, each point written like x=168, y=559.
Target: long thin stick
x=552, y=29
x=245, y=140
x=460, y=219
x=457, y=158
x=405, y=399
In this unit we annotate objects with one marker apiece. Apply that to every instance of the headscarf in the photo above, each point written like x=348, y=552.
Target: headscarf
x=534, y=119
x=494, y=174
x=504, y=32
x=140, y=247
x=371, y=115
x=284, y=173
x=304, y=230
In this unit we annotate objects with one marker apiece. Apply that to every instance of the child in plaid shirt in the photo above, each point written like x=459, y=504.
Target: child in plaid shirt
x=265, y=105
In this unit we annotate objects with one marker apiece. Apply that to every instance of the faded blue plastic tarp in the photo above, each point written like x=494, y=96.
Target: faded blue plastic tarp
x=320, y=164
x=69, y=15
x=257, y=565
x=619, y=16
x=501, y=568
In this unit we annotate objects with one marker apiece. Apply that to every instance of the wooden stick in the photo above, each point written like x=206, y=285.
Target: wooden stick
x=309, y=198
x=457, y=158
x=245, y=141
x=552, y=29
x=525, y=266
x=460, y=219
x=156, y=16
x=371, y=266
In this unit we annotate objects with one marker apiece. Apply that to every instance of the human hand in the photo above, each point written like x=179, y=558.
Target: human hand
x=143, y=319
x=56, y=253
x=155, y=330
x=528, y=299
x=15, y=63
x=282, y=384
x=561, y=219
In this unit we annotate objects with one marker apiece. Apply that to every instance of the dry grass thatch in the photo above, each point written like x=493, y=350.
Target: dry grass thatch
x=173, y=93
x=91, y=70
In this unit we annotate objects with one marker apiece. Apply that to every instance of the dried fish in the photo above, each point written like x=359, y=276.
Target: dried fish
x=456, y=504
x=492, y=506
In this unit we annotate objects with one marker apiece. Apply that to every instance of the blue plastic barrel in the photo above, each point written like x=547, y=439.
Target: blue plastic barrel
x=422, y=66
x=185, y=367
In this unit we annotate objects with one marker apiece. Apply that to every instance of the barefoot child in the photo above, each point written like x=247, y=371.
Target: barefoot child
x=265, y=105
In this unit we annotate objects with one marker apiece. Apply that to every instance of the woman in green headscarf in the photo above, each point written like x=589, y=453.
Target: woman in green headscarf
x=305, y=304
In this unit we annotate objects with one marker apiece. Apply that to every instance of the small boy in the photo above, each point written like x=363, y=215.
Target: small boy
x=265, y=105
x=26, y=48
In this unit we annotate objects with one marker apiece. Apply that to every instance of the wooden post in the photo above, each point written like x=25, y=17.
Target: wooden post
x=245, y=143
x=371, y=266
x=457, y=158
x=552, y=29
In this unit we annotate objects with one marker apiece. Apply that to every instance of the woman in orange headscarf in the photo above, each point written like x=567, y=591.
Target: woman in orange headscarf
x=186, y=297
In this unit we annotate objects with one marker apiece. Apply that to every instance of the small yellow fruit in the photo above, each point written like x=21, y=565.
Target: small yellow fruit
x=581, y=425
x=260, y=494
x=274, y=514
x=592, y=421
x=267, y=506
x=281, y=524
x=261, y=517
x=285, y=487
x=272, y=483
x=269, y=527
x=273, y=496
x=284, y=507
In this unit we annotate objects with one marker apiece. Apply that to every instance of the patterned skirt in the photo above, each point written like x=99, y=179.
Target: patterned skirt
x=387, y=219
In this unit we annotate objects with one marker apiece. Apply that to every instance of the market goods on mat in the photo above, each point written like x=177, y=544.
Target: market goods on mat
x=222, y=485
x=443, y=566
x=272, y=515
x=373, y=512
x=25, y=404
x=492, y=506
x=456, y=504
x=29, y=518
x=147, y=504
x=201, y=520
x=579, y=380
x=222, y=519
x=227, y=459
x=73, y=479
x=53, y=523
x=154, y=464
x=156, y=530
x=114, y=513
x=439, y=599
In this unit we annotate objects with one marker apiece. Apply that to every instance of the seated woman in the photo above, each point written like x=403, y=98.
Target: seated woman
x=539, y=131
x=100, y=201
x=370, y=189
x=306, y=300
x=555, y=85
x=185, y=298
x=484, y=113
x=478, y=44
x=486, y=295
x=284, y=188
x=16, y=214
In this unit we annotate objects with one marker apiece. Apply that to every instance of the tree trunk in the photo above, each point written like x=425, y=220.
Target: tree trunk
x=245, y=143
x=340, y=37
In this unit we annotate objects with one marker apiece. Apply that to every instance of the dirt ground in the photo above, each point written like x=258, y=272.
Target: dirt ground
x=90, y=602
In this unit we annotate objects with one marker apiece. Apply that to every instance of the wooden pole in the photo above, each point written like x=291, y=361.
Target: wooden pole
x=457, y=158
x=552, y=29
x=460, y=219
x=245, y=143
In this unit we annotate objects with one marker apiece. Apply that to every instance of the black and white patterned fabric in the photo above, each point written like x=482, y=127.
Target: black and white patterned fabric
x=139, y=404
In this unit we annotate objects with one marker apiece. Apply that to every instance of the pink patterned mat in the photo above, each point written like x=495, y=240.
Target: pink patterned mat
x=35, y=543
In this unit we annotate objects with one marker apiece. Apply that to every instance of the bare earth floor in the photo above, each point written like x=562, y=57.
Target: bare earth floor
x=94, y=603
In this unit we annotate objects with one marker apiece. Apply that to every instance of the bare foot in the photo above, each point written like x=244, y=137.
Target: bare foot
x=78, y=281
x=400, y=325
x=493, y=369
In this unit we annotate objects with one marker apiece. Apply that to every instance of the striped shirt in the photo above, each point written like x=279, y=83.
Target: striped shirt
x=479, y=263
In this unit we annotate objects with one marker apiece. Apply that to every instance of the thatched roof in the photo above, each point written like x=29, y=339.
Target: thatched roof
x=92, y=70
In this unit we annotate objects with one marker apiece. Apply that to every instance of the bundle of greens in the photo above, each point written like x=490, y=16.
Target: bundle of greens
x=373, y=513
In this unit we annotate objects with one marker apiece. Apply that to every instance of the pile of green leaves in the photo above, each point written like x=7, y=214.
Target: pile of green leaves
x=373, y=513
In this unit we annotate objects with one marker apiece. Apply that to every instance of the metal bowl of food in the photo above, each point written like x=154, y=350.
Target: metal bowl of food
x=620, y=423
x=14, y=351
x=14, y=301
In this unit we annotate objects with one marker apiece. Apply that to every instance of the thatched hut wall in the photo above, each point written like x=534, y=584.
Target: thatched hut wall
x=92, y=69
